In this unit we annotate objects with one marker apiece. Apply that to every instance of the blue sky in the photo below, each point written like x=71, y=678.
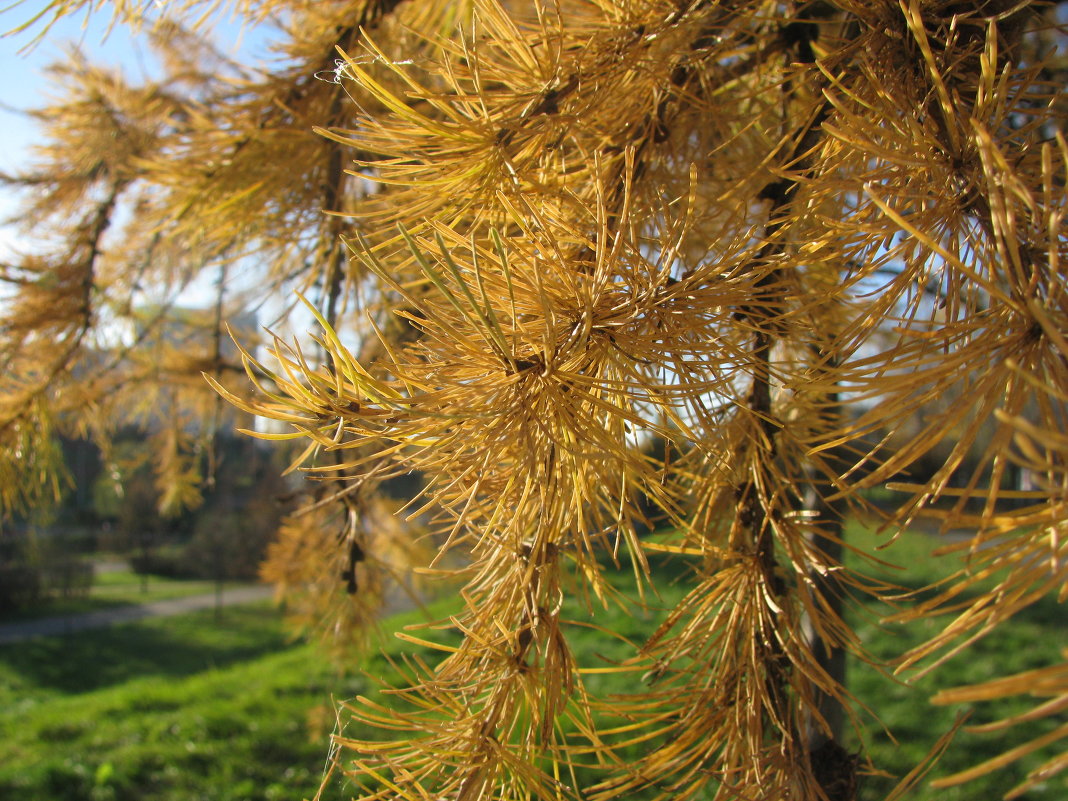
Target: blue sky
x=23, y=84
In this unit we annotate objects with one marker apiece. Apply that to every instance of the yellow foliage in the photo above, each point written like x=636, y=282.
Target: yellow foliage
x=800, y=248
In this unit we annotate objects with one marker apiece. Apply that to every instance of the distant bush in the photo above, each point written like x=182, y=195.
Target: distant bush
x=226, y=544
x=68, y=578
x=27, y=584
x=172, y=562
x=231, y=543
x=20, y=587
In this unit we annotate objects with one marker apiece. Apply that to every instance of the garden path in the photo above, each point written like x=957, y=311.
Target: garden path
x=69, y=624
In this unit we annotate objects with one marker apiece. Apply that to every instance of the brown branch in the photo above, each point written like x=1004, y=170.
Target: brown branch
x=101, y=221
x=832, y=767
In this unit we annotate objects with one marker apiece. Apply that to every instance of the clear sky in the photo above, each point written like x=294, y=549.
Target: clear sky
x=23, y=84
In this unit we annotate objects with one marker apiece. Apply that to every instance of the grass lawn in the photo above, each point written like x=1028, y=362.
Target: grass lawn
x=166, y=710
x=185, y=708
x=1032, y=639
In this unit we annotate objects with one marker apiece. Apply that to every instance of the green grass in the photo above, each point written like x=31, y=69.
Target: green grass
x=114, y=589
x=190, y=708
x=1031, y=639
x=168, y=710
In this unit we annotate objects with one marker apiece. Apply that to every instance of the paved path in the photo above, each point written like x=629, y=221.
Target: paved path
x=68, y=624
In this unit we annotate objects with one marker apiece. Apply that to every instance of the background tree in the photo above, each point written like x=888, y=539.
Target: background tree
x=580, y=226
x=205, y=175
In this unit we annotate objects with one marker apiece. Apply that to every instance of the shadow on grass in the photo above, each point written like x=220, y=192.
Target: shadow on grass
x=172, y=647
